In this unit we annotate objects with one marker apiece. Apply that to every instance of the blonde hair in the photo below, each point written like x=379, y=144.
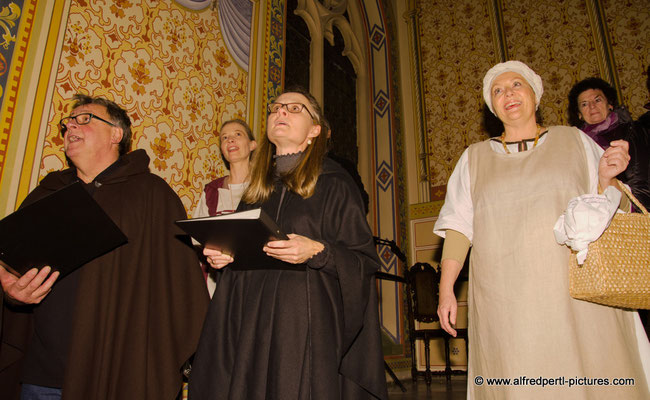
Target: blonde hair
x=303, y=177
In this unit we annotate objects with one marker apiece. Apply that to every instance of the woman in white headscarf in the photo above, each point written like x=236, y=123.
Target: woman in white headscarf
x=503, y=198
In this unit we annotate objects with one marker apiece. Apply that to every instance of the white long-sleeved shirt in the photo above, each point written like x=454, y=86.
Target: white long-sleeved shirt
x=457, y=213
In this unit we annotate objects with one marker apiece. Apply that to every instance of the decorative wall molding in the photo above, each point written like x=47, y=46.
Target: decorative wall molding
x=418, y=100
x=602, y=43
x=498, y=32
x=25, y=109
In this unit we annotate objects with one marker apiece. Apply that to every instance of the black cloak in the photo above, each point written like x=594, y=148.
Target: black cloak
x=308, y=334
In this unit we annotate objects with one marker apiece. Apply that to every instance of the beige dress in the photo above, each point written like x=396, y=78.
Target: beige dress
x=523, y=323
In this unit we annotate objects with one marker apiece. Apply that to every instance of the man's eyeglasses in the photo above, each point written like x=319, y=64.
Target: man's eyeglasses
x=80, y=119
x=293, y=108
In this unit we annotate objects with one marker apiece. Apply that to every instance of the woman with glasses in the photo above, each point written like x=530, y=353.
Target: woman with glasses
x=223, y=194
x=309, y=331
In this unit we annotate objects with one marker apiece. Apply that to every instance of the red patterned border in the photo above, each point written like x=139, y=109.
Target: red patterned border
x=15, y=75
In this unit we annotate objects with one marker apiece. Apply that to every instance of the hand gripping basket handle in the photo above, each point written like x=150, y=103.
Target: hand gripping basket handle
x=629, y=194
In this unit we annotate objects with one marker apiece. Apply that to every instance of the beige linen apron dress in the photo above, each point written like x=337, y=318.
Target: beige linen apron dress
x=523, y=323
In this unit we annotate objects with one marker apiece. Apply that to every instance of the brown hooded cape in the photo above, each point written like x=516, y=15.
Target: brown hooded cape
x=139, y=308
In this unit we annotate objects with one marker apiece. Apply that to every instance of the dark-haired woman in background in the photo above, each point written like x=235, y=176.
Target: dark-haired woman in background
x=593, y=107
x=311, y=332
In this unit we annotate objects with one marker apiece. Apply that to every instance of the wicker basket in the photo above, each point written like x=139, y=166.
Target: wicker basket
x=617, y=269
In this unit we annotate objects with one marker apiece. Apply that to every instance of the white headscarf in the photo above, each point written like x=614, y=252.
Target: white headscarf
x=534, y=80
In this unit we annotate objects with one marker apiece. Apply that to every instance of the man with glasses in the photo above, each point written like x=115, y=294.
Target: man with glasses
x=122, y=325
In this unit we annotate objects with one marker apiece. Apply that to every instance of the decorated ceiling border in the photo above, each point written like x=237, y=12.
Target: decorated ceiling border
x=17, y=21
x=30, y=80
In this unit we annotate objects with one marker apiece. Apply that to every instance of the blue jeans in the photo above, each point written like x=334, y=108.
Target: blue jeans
x=35, y=392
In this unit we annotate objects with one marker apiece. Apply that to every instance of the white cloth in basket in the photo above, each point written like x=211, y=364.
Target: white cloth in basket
x=585, y=219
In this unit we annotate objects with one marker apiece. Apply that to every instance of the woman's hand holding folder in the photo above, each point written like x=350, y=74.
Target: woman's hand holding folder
x=297, y=250
x=216, y=258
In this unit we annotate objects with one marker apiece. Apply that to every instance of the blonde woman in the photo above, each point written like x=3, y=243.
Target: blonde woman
x=310, y=331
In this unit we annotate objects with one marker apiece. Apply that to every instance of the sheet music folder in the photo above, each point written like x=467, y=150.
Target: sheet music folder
x=64, y=230
x=241, y=234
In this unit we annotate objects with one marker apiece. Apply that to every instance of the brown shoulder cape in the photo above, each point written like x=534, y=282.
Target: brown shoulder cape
x=139, y=308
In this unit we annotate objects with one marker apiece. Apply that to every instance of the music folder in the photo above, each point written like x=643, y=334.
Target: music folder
x=241, y=234
x=65, y=230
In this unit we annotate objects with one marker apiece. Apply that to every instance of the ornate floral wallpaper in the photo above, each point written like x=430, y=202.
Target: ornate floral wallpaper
x=556, y=38
x=566, y=56
x=169, y=68
x=628, y=26
x=452, y=73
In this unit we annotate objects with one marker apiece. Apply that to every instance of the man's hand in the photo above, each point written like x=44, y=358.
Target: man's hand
x=31, y=288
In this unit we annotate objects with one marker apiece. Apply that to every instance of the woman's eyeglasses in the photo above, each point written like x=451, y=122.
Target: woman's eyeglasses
x=293, y=108
x=80, y=119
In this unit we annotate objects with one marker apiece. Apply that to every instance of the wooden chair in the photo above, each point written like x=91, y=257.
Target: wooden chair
x=422, y=282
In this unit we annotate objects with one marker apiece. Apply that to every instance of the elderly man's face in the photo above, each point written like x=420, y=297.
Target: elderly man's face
x=93, y=141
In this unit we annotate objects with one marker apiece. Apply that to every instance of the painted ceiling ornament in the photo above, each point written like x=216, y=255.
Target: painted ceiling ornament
x=195, y=5
x=8, y=17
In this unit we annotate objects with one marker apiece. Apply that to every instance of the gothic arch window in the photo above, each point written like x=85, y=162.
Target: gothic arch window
x=325, y=49
x=340, y=99
x=298, y=40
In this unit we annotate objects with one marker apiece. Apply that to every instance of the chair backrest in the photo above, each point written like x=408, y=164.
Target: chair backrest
x=422, y=282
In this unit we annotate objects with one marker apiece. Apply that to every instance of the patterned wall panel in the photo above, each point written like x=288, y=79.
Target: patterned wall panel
x=169, y=67
x=275, y=52
x=456, y=50
x=556, y=40
x=10, y=72
x=385, y=191
x=628, y=24
x=10, y=16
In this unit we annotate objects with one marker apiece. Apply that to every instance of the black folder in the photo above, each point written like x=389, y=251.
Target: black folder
x=241, y=234
x=64, y=230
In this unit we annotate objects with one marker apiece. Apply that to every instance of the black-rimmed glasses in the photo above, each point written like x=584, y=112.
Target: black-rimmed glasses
x=80, y=119
x=293, y=108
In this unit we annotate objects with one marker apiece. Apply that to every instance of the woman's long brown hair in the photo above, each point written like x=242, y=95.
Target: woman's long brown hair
x=303, y=177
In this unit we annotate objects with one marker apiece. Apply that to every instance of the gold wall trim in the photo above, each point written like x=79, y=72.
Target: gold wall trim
x=418, y=100
x=17, y=65
x=25, y=110
x=273, y=73
x=256, y=70
x=49, y=59
x=498, y=31
x=425, y=210
x=603, y=44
